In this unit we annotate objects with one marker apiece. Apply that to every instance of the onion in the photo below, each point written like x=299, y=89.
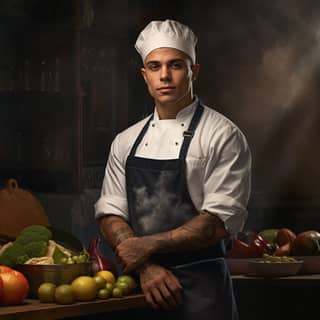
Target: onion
x=99, y=261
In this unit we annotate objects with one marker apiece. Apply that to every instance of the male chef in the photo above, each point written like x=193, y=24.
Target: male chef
x=176, y=185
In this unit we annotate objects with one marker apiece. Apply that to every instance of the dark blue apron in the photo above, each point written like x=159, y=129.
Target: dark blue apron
x=158, y=201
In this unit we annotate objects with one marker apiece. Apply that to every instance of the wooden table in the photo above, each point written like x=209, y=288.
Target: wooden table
x=32, y=309
x=255, y=295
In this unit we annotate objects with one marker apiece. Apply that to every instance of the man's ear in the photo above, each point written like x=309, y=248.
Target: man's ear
x=143, y=73
x=195, y=71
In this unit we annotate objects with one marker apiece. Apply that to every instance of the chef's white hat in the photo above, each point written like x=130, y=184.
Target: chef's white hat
x=166, y=34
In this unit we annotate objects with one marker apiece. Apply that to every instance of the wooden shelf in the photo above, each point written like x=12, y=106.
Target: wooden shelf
x=32, y=309
x=245, y=287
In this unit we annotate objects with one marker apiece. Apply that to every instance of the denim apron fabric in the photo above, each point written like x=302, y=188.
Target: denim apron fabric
x=158, y=201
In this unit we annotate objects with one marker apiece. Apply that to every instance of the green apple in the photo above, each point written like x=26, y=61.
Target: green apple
x=269, y=234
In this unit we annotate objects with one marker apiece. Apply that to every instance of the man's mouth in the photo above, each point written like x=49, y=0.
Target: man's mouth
x=166, y=89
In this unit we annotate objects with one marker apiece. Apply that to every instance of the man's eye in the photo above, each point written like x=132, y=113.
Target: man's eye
x=176, y=65
x=153, y=67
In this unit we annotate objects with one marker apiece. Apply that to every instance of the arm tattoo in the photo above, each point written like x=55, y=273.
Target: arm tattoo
x=202, y=231
x=115, y=230
x=122, y=233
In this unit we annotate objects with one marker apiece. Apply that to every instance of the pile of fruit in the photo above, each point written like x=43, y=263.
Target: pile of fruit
x=102, y=285
x=274, y=242
x=35, y=246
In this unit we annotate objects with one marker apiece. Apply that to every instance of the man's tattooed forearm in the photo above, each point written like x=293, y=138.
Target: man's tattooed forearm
x=121, y=234
x=197, y=233
x=115, y=230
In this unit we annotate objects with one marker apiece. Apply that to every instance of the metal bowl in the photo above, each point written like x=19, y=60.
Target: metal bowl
x=37, y=274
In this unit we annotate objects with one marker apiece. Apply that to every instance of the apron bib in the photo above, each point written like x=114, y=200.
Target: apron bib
x=158, y=201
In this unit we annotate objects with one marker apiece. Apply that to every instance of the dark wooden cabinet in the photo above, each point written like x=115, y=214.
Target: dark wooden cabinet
x=70, y=83
x=40, y=104
x=39, y=141
x=63, y=96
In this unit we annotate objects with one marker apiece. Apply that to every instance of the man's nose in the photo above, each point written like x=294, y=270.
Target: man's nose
x=165, y=74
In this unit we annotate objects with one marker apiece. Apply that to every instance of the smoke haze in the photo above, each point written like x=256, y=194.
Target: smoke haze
x=163, y=209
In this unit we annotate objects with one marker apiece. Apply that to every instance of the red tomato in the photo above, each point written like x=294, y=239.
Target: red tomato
x=5, y=269
x=1, y=288
x=15, y=287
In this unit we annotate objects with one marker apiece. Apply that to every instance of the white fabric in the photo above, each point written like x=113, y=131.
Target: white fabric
x=218, y=164
x=166, y=34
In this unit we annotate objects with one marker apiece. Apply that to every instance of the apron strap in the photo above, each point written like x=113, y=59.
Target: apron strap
x=140, y=137
x=188, y=134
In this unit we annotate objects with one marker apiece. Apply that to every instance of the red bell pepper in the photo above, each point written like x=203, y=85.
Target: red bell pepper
x=254, y=249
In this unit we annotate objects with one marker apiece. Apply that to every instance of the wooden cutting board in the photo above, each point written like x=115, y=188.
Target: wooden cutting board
x=19, y=209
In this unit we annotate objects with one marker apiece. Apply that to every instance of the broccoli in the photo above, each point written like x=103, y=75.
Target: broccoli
x=32, y=242
x=18, y=253
x=22, y=259
x=12, y=254
x=36, y=249
x=34, y=233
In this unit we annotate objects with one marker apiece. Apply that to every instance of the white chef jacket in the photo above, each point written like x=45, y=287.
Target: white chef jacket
x=218, y=164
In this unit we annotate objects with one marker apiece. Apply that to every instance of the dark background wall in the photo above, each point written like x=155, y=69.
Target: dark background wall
x=259, y=66
x=70, y=81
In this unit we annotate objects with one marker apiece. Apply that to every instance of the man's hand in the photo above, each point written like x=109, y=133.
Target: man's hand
x=133, y=252
x=160, y=286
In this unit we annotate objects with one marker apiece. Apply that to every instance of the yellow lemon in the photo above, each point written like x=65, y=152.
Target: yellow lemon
x=107, y=275
x=85, y=288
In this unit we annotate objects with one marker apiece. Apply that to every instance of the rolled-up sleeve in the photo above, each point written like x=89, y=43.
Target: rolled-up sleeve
x=227, y=181
x=113, y=198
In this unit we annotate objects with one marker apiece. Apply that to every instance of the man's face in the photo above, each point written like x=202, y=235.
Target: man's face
x=168, y=74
